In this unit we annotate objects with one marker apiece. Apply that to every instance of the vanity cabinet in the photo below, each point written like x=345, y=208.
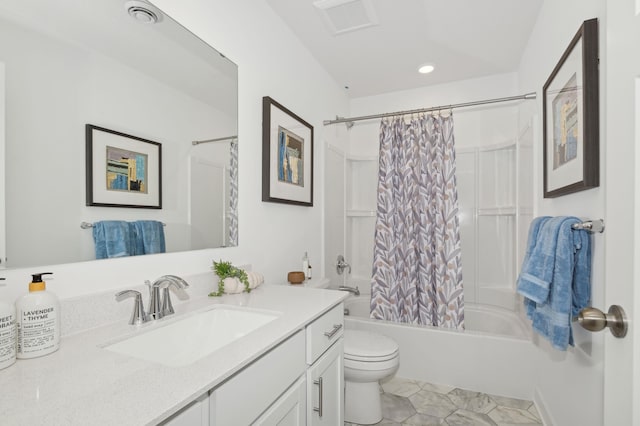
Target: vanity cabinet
x=289, y=409
x=299, y=382
x=196, y=413
x=325, y=376
x=244, y=397
x=325, y=385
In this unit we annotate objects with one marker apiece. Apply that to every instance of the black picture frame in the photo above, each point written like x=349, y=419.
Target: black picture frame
x=110, y=181
x=571, y=117
x=287, y=156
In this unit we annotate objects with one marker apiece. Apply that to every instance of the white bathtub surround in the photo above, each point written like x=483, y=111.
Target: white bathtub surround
x=493, y=355
x=491, y=320
x=82, y=383
x=414, y=402
x=417, y=270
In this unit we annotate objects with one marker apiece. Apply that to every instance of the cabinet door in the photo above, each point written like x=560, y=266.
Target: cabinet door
x=194, y=414
x=289, y=409
x=325, y=388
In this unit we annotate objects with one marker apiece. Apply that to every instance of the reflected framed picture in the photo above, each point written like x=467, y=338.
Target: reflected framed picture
x=287, y=156
x=122, y=170
x=571, y=118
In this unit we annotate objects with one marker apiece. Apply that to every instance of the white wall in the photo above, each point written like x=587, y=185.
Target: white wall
x=570, y=385
x=272, y=237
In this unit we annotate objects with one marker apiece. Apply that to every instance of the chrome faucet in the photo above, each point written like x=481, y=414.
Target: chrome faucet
x=355, y=291
x=342, y=265
x=138, y=315
x=160, y=306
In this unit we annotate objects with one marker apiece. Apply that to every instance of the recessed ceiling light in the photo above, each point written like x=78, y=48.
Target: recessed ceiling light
x=426, y=69
x=143, y=12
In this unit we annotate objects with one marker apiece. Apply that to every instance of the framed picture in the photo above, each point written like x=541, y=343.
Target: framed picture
x=122, y=170
x=571, y=118
x=287, y=156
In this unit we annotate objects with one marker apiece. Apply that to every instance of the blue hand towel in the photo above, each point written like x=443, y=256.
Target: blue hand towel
x=149, y=237
x=112, y=238
x=537, y=268
x=556, y=277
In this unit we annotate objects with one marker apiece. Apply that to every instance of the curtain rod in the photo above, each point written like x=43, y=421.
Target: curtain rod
x=531, y=95
x=215, y=140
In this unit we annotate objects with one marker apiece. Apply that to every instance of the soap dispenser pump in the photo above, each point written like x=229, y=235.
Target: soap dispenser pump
x=7, y=334
x=38, y=320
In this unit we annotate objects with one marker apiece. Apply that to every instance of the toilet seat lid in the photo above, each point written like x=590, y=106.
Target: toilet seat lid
x=364, y=345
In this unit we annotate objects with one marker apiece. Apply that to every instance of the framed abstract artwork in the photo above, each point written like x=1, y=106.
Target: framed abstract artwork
x=571, y=119
x=287, y=156
x=122, y=170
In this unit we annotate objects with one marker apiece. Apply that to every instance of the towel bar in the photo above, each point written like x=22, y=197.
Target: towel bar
x=87, y=225
x=591, y=226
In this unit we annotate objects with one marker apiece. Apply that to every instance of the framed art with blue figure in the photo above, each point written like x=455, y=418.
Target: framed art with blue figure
x=571, y=118
x=287, y=156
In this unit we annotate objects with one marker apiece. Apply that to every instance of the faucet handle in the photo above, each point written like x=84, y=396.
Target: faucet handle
x=167, y=306
x=138, y=316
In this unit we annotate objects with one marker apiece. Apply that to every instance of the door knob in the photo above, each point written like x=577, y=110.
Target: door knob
x=594, y=319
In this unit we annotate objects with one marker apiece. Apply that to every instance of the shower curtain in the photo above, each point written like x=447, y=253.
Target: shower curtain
x=417, y=272
x=233, y=194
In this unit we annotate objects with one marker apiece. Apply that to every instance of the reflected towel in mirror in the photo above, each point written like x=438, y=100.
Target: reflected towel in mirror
x=149, y=237
x=113, y=238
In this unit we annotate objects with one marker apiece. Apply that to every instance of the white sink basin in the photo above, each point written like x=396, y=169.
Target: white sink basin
x=187, y=340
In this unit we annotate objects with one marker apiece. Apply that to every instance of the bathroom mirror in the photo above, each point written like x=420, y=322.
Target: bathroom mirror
x=68, y=63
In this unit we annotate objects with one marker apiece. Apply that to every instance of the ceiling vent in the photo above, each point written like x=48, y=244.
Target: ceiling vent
x=344, y=16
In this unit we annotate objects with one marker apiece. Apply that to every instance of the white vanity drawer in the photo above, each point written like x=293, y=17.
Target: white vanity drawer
x=324, y=332
x=241, y=399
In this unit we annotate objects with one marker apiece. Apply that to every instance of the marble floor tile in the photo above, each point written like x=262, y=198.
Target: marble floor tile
x=432, y=403
x=507, y=415
x=423, y=420
x=396, y=408
x=471, y=401
x=400, y=387
x=407, y=402
x=533, y=410
x=511, y=402
x=445, y=389
x=468, y=418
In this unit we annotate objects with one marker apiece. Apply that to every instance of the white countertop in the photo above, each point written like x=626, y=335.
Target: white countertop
x=83, y=384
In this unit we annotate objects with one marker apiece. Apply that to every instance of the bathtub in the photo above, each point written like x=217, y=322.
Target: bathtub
x=494, y=354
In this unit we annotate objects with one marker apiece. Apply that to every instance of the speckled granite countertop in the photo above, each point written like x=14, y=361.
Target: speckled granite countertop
x=83, y=384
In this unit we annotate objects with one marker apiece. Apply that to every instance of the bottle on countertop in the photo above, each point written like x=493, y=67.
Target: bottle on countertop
x=7, y=334
x=38, y=320
x=305, y=264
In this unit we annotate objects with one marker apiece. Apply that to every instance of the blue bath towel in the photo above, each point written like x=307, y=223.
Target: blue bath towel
x=556, y=277
x=113, y=238
x=149, y=237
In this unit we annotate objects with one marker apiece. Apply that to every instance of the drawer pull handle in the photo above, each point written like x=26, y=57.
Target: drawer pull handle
x=333, y=332
x=319, y=408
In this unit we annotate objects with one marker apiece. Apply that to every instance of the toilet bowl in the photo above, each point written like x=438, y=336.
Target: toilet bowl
x=368, y=358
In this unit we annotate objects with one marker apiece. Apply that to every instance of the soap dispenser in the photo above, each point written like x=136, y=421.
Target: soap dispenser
x=38, y=320
x=7, y=334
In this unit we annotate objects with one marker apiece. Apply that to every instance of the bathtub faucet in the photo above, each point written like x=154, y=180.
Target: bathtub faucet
x=341, y=265
x=355, y=291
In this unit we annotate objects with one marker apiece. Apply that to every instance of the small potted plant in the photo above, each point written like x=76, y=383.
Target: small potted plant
x=230, y=279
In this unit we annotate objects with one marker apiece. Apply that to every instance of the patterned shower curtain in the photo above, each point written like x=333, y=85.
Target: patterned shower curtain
x=233, y=194
x=417, y=272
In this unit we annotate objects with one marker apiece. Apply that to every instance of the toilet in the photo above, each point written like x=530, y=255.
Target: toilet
x=368, y=358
